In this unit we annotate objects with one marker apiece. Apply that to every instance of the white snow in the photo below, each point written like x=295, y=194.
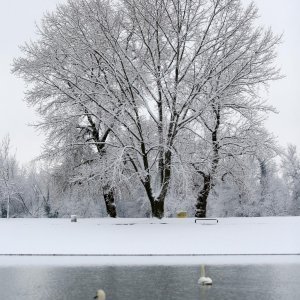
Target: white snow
x=117, y=241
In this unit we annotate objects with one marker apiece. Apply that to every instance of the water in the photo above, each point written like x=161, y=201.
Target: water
x=246, y=282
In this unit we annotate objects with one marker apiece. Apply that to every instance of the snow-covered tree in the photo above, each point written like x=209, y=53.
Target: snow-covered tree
x=128, y=81
x=64, y=71
x=8, y=176
x=252, y=190
x=290, y=165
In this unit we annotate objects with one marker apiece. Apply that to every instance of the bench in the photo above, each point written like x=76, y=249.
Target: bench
x=210, y=221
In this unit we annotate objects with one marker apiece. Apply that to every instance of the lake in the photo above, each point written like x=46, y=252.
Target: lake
x=246, y=282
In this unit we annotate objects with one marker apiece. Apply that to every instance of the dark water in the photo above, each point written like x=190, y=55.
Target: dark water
x=242, y=282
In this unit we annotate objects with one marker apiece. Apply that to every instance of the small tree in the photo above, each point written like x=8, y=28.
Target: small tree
x=8, y=174
x=290, y=165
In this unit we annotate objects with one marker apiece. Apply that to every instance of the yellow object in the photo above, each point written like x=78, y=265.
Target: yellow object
x=182, y=214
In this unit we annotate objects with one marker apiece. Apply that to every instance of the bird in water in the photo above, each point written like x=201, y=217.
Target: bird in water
x=204, y=280
x=100, y=295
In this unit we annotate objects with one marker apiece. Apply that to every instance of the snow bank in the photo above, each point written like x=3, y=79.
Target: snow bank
x=167, y=240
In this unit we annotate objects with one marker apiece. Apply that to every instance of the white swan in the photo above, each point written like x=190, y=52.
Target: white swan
x=204, y=280
x=100, y=295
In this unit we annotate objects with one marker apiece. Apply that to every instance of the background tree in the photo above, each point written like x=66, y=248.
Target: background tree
x=8, y=176
x=239, y=63
x=291, y=173
x=63, y=69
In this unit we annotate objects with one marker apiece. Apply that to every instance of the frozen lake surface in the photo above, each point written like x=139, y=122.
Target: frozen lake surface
x=246, y=282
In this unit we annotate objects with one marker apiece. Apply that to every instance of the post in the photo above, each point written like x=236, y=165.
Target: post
x=73, y=218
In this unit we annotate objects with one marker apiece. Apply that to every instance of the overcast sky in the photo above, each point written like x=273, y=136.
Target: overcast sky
x=17, y=25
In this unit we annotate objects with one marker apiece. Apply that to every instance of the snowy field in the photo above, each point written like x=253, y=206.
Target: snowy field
x=149, y=241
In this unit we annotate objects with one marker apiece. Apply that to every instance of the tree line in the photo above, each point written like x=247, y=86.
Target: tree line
x=269, y=187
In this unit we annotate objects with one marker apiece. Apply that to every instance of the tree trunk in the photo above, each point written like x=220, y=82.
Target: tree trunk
x=157, y=207
x=3, y=211
x=108, y=190
x=109, y=199
x=202, y=197
x=263, y=179
x=8, y=206
x=208, y=178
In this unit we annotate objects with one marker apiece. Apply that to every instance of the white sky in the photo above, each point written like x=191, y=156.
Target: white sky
x=17, y=25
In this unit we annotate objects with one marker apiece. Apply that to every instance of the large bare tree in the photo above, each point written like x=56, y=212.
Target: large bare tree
x=130, y=78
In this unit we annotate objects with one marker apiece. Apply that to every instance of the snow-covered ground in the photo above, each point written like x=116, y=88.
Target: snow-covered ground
x=130, y=241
